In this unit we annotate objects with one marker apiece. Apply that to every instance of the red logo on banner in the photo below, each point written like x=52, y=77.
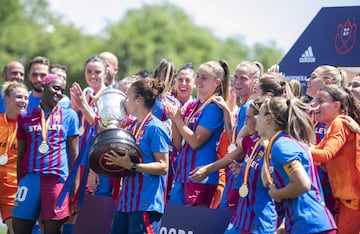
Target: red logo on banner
x=345, y=37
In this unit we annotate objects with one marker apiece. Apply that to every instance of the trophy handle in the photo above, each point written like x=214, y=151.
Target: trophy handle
x=84, y=92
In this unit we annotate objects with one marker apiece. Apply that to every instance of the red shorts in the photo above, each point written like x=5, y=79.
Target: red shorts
x=8, y=187
x=196, y=194
x=232, y=199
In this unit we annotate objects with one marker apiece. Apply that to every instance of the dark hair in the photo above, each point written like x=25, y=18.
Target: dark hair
x=39, y=60
x=144, y=73
x=59, y=66
x=187, y=67
x=349, y=104
x=96, y=58
x=148, y=89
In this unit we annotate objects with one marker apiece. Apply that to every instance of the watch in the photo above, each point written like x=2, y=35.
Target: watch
x=133, y=167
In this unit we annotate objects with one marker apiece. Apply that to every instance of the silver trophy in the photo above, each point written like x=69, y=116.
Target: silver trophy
x=110, y=105
x=112, y=113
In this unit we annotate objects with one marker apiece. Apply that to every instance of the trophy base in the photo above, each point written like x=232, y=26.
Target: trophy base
x=118, y=140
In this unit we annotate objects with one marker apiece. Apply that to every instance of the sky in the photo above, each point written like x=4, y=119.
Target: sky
x=258, y=21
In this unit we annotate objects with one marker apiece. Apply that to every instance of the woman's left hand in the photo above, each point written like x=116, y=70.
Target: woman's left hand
x=220, y=102
x=198, y=174
x=236, y=167
x=351, y=123
x=274, y=193
x=173, y=111
x=113, y=158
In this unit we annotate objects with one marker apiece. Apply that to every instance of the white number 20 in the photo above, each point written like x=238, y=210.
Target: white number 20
x=21, y=193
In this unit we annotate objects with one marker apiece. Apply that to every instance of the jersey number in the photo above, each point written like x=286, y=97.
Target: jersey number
x=21, y=193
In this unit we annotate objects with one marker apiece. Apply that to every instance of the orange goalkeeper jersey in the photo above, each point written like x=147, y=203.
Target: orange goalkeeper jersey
x=7, y=128
x=338, y=150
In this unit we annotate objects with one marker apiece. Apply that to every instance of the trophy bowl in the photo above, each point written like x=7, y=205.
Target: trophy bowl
x=118, y=140
x=111, y=111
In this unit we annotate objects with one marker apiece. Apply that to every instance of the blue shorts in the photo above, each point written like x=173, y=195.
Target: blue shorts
x=104, y=188
x=37, y=194
x=137, y=222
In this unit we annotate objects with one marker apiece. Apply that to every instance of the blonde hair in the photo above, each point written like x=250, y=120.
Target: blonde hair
x=296, y=88
x=9, y=86
x=221, y=70
x=165, y=72
x=291, y=115
x=255, y=68
x=335, y=75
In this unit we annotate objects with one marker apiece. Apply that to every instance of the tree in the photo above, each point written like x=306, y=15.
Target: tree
x=153, y=32
x=268, y=55
x=140, y=40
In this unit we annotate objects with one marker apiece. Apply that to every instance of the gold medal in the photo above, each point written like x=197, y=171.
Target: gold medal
x=231, y=148
x=3, y=159
x=244, y=190
x=81, y=131
x=43, y=148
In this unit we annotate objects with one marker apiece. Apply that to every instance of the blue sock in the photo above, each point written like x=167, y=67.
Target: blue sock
x=67, y=228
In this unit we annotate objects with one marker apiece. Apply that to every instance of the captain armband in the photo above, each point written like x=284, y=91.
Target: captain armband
x=290, y=167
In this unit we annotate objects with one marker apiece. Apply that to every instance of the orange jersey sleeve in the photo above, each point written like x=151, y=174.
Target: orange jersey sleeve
x=334, y=141
x=338, y=151
x=223, y=145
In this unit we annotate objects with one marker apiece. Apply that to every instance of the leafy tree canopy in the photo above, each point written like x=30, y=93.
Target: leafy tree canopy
x=140, y=39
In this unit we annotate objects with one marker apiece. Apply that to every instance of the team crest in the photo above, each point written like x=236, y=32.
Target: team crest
x=345, y=37
x=56, y=117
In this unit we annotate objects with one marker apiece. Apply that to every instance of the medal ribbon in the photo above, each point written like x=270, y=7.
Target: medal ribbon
x=198, y=110
x=233, y=135
x=268, y=149
x=194, y=111
x=45, y=124
x=10, y=138
x=136, y=131
x=251, y=159
x=82, y=123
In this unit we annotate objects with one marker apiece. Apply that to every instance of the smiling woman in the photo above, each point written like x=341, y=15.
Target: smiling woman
x=338, y=151
x=44, y=157
x=16, y=100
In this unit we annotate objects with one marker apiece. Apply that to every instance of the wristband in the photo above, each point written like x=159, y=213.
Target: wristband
x=133, y=167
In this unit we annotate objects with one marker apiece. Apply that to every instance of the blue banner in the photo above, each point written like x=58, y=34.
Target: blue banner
x=97, y=213
x=331, y=38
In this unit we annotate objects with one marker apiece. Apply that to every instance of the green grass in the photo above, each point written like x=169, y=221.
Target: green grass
x=3, y=230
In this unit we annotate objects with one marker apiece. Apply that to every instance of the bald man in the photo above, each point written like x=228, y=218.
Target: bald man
x=113, y=66
x=12, y=71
